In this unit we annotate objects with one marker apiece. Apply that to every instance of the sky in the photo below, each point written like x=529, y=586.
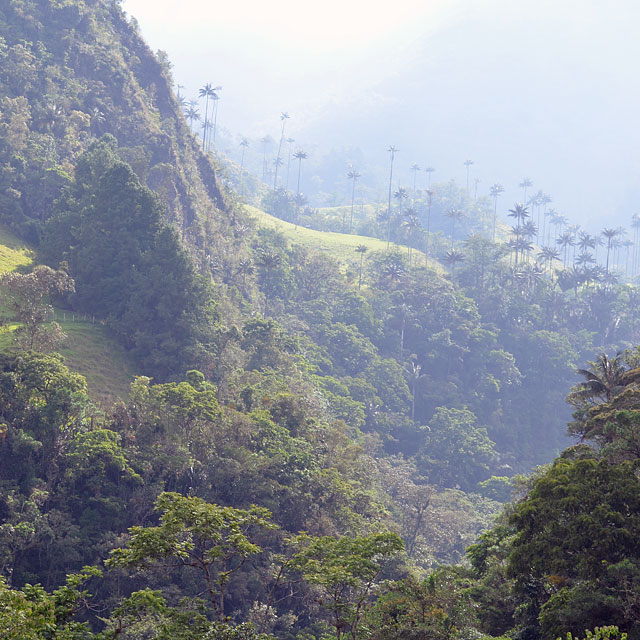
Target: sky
x=538, y=88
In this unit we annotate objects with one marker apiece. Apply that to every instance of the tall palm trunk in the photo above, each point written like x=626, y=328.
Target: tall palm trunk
x=393, y=153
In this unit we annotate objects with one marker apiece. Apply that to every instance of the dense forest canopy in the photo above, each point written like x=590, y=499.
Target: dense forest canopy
x=211, y=427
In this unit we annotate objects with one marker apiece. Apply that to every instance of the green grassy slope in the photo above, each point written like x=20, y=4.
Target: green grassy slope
x=89, y=348
x=341, y=246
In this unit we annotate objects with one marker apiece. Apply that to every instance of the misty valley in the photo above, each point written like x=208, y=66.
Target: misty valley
x=260, y=387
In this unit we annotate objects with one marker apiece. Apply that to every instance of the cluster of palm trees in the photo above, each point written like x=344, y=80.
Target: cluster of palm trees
x=192, y=113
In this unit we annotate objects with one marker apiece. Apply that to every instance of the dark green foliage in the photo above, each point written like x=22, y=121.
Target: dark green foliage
x=576, y=550
x=128, y=267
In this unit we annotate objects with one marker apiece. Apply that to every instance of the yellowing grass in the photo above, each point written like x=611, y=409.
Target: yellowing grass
x=341, y=246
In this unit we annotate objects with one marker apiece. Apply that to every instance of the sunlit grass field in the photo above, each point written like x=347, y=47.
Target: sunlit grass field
x=341, y=246
x=89, y=349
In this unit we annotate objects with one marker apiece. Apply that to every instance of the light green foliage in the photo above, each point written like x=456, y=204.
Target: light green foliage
x=212, y=539
x=429, y=609
x=31, y=613
x=347, y=571
x=610, y=632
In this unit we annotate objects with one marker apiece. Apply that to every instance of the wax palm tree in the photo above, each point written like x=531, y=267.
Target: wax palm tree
x=353, y=175
x=411, y=224
x=392, y=150
x=609, y=234
x=245, y=268
x=426, y=250
x=191, y=113
x=414, y=373
x=394, y=271
x=452, y=258
x=206, y=92
x=244, y=143
x=300, y=155
x=476, y=182
x=277, y=163
x=269, y=260
x=216, y=99
x=467, y=164
x=266, y=142
x=494, y=191
x=415, y=168
x=361, y=249
x=565, y=241
x=524, y=185
x=573, y=229
x=429, y=171
x=635, y=225
x=519, y=212
x=522, y=246
x=284, y=116
x=545, y=200
x=529, y=229
x=400, y=195
x=454, y=215
x=557, y=220
x=528, y=277
x=548, y=255
x=290, y=141
x=585, y=241
x=206, y=129
x=584, y=259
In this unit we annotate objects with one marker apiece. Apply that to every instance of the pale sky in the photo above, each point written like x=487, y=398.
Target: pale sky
x=541, y=88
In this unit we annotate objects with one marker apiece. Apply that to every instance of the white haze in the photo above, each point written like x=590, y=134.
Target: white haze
x=534, y=88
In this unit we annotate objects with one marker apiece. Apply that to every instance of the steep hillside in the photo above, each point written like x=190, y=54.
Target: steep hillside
x=90, y=348
x=70, y=71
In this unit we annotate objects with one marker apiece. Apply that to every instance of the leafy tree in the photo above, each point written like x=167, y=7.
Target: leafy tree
x=347, y=571
x=214, y=540
x=578, y=523
x=457, y=450
x=26, y=297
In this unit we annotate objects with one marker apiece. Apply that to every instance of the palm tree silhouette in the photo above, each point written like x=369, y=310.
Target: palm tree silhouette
x=361, y=249
x=300, y=155
x=290, y=141
x=525, y=184
x=453, y=257
x=392, y=150
x=353, y=175
x=415, y=168
x=495, y=190
x=411, y=224
x=467, y=164
x=244, y=143
x=429, y=171
x=266, y=141
x=635, y=258
x=284, y=116
x=191, y=113
x=609, y=234
x=548, y=255
x=400, y=195
x=454, y=215
x=565, y=240
x=208, y=91
x=426, y=249
x=216, y=98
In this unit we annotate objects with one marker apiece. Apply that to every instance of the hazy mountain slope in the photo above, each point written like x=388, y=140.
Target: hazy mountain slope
x=73, y=70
